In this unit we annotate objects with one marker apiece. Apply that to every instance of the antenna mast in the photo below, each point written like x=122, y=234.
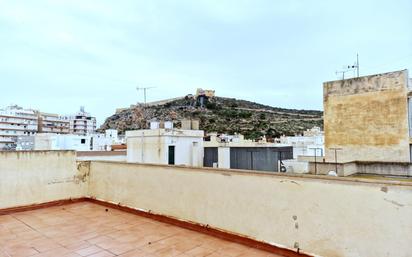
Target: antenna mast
x=355, y=65
x=144, y=92
x=349, y=68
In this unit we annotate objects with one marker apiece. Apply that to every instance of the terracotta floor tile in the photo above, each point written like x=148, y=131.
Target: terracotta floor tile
x=199, y=251
x=87, y=229
x=184, y=246
x=108, y=243
x=102, y=254
x=61, y=251
x=21, y=251
x=135, y=253
x=89, y=250
x=43, y=245
x=98, y=239
x=218, y=254
x=122, y=248
x=78, y=246
x=168, y=251
x=71, y=255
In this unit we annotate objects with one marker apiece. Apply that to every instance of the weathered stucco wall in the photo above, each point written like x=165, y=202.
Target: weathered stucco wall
x=40, y=176
x=368, y=118
x=330, y=217
x=325, y=216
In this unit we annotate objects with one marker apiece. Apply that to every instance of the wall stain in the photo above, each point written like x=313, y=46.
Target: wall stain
x=394, y=202
x=83, y=172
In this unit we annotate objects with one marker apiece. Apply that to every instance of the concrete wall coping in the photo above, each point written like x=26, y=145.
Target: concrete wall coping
x=228, y=172
x=37, y=151
x=101, y=153
x=366, y=76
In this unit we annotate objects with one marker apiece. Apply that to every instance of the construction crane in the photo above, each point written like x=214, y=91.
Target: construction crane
x=144, y=92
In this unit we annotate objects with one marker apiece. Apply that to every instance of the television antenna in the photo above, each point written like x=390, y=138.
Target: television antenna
x=355, y=66
x=144, y=92
x=349, y=68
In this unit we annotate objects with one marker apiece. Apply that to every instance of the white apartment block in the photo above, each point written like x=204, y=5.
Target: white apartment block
x=311, y=143
x=14, y=122
x=82, y=123
x=53, y=123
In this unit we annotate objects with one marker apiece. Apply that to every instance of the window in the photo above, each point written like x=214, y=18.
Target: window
x=83, y=141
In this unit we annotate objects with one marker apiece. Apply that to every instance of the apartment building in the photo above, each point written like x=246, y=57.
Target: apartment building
x=311, y=143
x=16, y=121
x=82, y=123
x=53, y=123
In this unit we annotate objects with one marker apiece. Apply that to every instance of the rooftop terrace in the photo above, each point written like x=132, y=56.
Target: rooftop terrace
x=288, y=215
x=88, y=229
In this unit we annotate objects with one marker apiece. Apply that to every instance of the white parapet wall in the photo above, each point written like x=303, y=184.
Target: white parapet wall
x=331, y=217
x=35, y=177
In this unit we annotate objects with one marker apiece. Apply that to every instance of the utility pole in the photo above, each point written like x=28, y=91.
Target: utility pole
x=316, y=152
x=144, y=92
x=336, y=158
x=144, y=114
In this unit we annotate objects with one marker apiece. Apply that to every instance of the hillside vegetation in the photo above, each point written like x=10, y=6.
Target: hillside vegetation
x=222, y=115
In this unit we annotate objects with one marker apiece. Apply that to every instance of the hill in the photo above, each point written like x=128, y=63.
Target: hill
x=219, y=114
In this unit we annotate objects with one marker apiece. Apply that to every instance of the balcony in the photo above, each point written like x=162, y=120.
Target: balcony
x=18, y=127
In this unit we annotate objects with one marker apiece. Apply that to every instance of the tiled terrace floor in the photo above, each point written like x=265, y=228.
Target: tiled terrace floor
x=87, y=229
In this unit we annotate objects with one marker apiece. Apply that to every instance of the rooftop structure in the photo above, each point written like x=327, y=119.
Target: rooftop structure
x=130, y=209
x=367, y=122
x=165, y=146
x=237, y=140
x=50, y=141
x=368, y=118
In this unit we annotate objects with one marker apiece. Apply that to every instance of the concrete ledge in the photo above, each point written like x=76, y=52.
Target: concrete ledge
x=365, y=167
x=101, y=153
x=267, y=173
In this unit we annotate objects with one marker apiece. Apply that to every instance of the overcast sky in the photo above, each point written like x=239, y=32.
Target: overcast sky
x=58, y=55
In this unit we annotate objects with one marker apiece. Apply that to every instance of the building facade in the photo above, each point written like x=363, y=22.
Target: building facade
x=368, y=118
x=49, y=141
x=53, y=123
x=311, y=143
x=265, y=158
x=82, y=123
x=14, y=122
